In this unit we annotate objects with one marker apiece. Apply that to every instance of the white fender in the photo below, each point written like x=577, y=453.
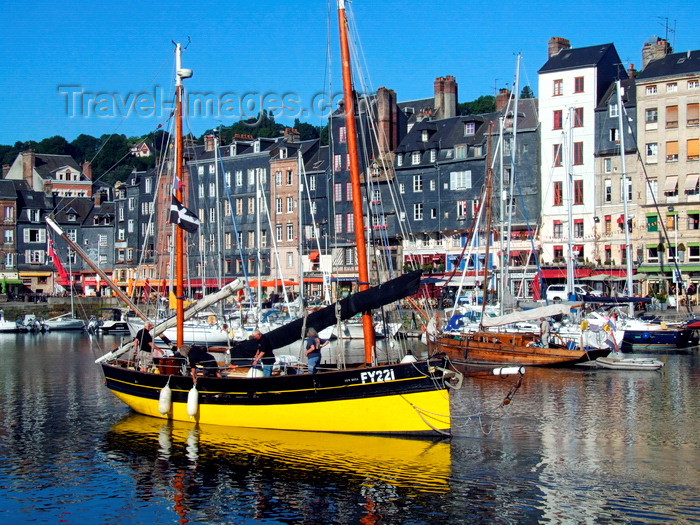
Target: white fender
x=192, y=402
x=164, y=400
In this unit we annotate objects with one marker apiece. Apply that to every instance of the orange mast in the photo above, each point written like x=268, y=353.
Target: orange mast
x=358, y=216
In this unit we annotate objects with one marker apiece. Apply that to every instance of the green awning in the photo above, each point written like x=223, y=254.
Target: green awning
x=11, y=281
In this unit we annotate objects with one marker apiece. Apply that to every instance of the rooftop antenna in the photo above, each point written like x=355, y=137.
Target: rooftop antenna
x=668, y=30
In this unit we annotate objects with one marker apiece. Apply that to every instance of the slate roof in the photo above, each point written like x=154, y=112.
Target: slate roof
x=674, y=64
x=7, y=190
x=80, y=206
x=319, y=161
x=577, y=58
x=629, y=95
x=46, y=165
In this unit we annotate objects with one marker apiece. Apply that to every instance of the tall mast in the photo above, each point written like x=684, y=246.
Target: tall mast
x=358, y=217
x=570, y=210
x=179, y=171
x=628, y=246
x=487, y=204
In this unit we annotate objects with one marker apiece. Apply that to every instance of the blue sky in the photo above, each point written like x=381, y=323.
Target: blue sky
x=56, y=55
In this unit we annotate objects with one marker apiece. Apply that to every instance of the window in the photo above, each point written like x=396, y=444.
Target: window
x=607, y=165
x=338, y=223
x=132, y=203
x=613, y=110
x=399, y=160
x=626, y=188
x=461, y=209
x=460, y=180
x=469, y=128
x=283, y=153
x=578, y=85
x=433, y=186
x=415, y=157
x=278, y=232
x=34, y=215
x=693, y=146
x=692, y=115
x=227, y=208
x=578, y=153
x=402, y=188
x=424, y=135
x=671, y=186
x=278, y=178
x=342, y=134
x=337, y=192
x=694, y=220
x=693, y=84
x=671, y=87
x=239, y=178
x=418, y=211
x=433, y=155
x=556, y=155
x=290, y=178
x=460, y=152
x=672, y=151
x=312, y=182
x=337, y=162
x=651, y=115
x=239, y=206
x=350, y=223
x=558, y=193
x=671, y=220
x=290, y=232
x=652, y=186
x=671, y=116
x=557, y=87
x=557, y=229
x=251, y=205
x=652, y=151
x=278, y=205
x=578, y=117
x=614, y=135
x=8, y=236
x=251, y=177
x=418, y=183
x=557, y=119
x=651, y=90
x=608, y=225
x=578, y=192
x=608, y=190
x=121, y=235
x=200, y=170
x=130, y=226
x=578, y=228
x=212, y=189
x=348, y=191
x=290, y=205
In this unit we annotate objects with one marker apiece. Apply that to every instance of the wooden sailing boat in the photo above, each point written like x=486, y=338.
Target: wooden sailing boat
x=409, y=397
x=484, y=346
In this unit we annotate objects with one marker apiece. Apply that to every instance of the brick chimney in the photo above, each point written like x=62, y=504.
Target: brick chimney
x=387, y=121
x=209, y=143
x=5, y=170
x=28, y=163
x=504, y=95
x=653, y=49
x=97, y=198
x=557, y=44
x=86, y=167
x=291, y=135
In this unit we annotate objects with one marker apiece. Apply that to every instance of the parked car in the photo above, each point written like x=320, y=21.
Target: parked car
x=557, y=292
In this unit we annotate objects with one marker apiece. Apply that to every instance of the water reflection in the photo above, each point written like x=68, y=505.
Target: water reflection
x=266, y=471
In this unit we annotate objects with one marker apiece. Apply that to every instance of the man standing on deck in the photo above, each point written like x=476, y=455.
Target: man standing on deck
x=143, y=347
x=263, y=353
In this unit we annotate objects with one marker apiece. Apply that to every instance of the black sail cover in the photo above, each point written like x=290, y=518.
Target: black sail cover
x=367, y=300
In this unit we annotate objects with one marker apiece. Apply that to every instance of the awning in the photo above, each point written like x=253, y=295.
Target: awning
x=5, y=280
x=272, y=283
x=671, y=184
x=34, y=274
x=691, y=181
x=560, y=273
x=621, y=219
x=313, y=256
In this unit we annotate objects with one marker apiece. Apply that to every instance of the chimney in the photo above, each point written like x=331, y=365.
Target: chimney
x=653, y=49
x=209, y=143
x=504, y=95
x=87, y=169
x=5, y=170
x=450, y=97
x=28, y=163
x=98, y=199
x=631, y=72
x=387, y=121
x=557, y=44
x=291, y=135
x=439, y=96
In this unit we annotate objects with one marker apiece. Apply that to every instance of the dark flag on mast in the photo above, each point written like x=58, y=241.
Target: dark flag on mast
x=183, y=217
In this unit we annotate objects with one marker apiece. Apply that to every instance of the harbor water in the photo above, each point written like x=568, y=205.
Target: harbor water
x=574, y=445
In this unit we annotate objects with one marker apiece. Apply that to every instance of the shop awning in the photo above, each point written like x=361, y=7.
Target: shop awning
x=34, y=274
x=313, y=256
x=560, y=273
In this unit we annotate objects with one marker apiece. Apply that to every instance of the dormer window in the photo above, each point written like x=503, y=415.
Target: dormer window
x=34, y=215
x=256, y=146
x=433, y=155
x=415, y=158
x=424, y=135
x=72, y=217
x=469, y=128
x=283, y=153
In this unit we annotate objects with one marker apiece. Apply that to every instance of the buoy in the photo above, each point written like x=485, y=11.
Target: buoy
x=192, y=402
x=164, y=400
x=211, y=319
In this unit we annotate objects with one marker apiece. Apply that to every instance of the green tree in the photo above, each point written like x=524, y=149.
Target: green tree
x=483, y=104
x=527, y=93
x=84, y=147
x=306, y=131
x=55, y=145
